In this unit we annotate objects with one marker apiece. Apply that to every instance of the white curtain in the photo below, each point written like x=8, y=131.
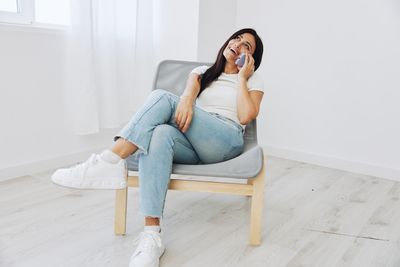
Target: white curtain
x=100, y=64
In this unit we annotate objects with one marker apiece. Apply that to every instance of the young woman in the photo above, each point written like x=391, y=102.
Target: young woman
x=171, y=129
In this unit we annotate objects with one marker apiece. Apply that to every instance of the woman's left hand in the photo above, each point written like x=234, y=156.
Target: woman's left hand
x=248, y=68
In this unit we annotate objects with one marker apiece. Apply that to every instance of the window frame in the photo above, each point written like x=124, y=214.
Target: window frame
x=25, y=13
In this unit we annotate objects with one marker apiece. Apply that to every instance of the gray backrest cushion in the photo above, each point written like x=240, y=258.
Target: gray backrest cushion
x=171, y=75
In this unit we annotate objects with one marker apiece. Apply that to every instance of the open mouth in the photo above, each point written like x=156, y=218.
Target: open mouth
x=233, y=50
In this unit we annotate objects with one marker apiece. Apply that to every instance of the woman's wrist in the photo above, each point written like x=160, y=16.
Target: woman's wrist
x=242, y=81
x=186, y=98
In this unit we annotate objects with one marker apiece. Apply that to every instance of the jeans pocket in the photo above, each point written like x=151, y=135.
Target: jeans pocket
x=228, y=121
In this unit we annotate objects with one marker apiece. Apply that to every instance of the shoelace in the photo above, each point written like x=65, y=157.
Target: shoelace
x=147, y=241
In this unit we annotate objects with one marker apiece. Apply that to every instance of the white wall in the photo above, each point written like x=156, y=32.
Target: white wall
x=332, y=81
x=217, y=21
x=176, y=29
x=33, y=131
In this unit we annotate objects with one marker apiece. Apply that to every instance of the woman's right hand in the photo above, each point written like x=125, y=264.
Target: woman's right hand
x=184, y=113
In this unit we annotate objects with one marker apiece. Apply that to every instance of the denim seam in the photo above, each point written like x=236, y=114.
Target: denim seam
x=190, y=148
x=148, y=108
x=165, y=197
x=236, y=126
x=182, y=143
x=131, y=129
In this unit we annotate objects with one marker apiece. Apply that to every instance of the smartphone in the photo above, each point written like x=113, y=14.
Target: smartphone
x=240, y=61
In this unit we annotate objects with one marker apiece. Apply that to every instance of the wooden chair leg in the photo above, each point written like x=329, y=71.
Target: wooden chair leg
x=120, y=211
x=249, y=182
x=257, y=204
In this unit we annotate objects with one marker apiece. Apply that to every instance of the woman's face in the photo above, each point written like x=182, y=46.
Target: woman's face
x=241, y=44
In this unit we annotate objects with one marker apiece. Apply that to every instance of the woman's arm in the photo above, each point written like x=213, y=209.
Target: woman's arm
x=192, y=87
x=248, y=103
x=184, y=110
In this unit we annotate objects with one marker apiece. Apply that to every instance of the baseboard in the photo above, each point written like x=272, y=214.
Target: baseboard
x=335, y=163
x=45, y=165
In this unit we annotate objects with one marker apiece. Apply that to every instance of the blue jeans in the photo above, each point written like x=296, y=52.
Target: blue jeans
x=210, y=138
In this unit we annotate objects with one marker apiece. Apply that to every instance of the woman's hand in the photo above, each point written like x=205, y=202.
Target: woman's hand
x=248, y=68
x=184, y=113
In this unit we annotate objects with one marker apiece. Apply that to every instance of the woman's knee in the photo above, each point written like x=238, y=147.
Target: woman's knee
x=159, y=93
x=163, y=93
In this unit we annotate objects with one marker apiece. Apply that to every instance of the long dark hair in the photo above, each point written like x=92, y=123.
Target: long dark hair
x=215, y=70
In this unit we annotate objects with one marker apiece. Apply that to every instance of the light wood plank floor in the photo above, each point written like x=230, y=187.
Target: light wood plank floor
x=313, y=216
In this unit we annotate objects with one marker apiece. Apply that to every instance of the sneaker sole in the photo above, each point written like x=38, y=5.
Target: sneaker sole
x=92, y=185
x=157, y=265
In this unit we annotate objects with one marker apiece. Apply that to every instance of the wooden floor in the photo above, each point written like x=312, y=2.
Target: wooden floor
x=313, y=216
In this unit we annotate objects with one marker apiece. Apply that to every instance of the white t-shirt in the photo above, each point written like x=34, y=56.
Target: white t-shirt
x=220, y=95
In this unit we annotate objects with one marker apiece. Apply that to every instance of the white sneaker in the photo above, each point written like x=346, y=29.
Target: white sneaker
x=149, y=250
x=95, y=173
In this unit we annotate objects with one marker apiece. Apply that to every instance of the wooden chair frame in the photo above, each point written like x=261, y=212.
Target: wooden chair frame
x=254, y=189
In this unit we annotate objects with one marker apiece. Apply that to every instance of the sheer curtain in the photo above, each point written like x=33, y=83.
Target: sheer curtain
x=100, y=64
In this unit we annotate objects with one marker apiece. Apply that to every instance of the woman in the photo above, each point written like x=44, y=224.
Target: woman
x=170, y=129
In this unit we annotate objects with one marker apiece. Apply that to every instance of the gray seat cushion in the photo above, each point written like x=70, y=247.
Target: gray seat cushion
x=246, y=165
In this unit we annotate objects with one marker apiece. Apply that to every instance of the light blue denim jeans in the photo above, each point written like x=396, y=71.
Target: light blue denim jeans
x=210, y=138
